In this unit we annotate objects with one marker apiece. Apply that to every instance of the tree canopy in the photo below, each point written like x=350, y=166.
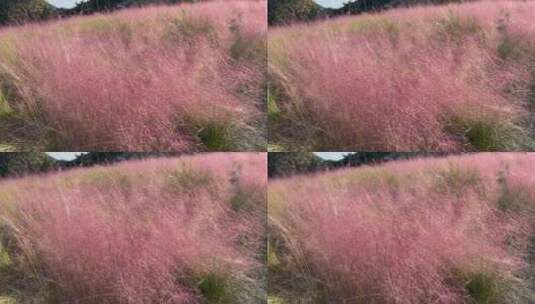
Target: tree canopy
x=287, y=11
x=287, y=163
x=12, y=164
x=21, y=11
x=92, y=6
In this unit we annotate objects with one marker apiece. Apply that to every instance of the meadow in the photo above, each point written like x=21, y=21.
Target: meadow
x=184, y=78
x=189, y=229
x=456, y=229
x=457, y=77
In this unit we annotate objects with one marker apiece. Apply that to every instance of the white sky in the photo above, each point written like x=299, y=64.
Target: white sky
x=64, y=3
x=72, y=155
x=331, y=3
x=64, y=155
x=331, y=155
x=71, y=3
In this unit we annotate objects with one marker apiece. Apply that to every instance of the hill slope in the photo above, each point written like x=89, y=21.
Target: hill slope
x=177, y=230
x=436, y=78
x=173, y=78
x=458, y=229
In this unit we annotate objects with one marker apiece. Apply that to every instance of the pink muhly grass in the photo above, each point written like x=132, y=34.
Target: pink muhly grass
x=418, y=231
x=438, y=78
x=141, y=79
x=144, y=231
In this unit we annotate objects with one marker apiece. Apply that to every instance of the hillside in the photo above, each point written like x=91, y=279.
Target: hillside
x=177, y=230
x=456, y=229
x=456, y=77
x=183, y=78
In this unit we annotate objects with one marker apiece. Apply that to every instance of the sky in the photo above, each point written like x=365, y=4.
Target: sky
x=71, y=3
x=331, y=155
x=331, y=3
x=72, y=155
x=64, y=155
x=63, y=3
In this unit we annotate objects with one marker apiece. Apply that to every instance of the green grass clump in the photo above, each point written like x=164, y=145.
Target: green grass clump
x=215, y=136
x=187, y=30
x=272, y=107
x=455, y=179
x=275, y=300
x=214, y=288
x=273, y=261
x=245, y=48
x=512, y=199
x=5, y=259
x=188, y=180
x=482, y=288
x=5, y=108
x=242, y=200
x=8, y=300
x=454, y=28
x=485, y=134
x=374, y=26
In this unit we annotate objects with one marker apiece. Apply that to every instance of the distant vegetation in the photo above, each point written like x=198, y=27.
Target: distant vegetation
x=93, y=6
x=190, y=77
x=14, y=12
x=458, y=229
x=456, y=77
x=22, y=11
x=16, y=164
x=175, y=230
x=284, y=164
x=289, y=11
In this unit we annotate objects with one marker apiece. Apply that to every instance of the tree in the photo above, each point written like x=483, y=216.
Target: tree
x=96, y=158
x=287, y=163
x=287, y=11
x=363, y=6
x=12, y=164
x=368, y=158
x=93, y=6
x=22, y=11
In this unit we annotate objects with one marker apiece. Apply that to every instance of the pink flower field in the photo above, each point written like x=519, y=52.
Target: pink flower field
x=457, y=77
x=457, y=229
x=171, y=230
x=189, y=77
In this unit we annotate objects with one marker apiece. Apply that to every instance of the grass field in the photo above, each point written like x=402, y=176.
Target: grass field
x=190, y=77
x=457, y=229
x=437, y=78
x=173, y=230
